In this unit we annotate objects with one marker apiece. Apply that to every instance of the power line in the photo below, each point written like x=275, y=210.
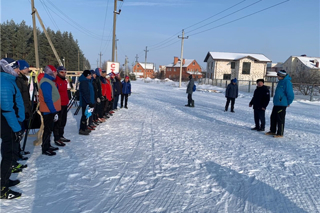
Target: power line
x=104, y=25
x=225, y=16
x=49, y=14
x=158, y=44
x=240, y=18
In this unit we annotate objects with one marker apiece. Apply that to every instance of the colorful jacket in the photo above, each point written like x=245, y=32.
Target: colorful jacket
x=62, y=85
x=22, y=83
x=49, y=97
x=86, y=91
x=126, y=87
x=284, y=92
x=11, y=104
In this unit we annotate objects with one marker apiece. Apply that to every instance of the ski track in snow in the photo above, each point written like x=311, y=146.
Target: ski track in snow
x=160, y=156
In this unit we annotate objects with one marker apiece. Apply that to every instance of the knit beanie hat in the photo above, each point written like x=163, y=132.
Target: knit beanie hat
x=260, y=80
x=127, y=77
x=49, y=70
x=234, y=80
x=61, y=68
x=23, y=64
x=86, y=73
x=92, y=72
x=282, y=73
x=98, y=70
x=8, y=65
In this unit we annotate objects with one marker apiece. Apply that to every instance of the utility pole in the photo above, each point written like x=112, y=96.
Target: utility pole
x=126, y=66
x=145, y=62
x=100, y=58
x=137, y=57
x=97, y=62
x=181, y=58
x=115, y=13
x=117, y=50
x=35, y=37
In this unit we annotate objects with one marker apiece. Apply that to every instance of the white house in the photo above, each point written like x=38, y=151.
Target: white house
x=243, y=66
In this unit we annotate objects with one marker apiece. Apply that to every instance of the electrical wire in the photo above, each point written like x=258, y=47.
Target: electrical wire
x=240, y=18
x=104, y=24
x=49, y=14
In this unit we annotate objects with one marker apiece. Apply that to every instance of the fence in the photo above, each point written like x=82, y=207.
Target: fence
x=309, y=92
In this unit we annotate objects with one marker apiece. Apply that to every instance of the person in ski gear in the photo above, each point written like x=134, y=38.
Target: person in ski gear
x=62, y=85
x=50, y=106
x=260, y=101
x=86, y=99
x=282, y=99
x=12, y=112
x=126, y=91
x=231, y=94
x=190, y=91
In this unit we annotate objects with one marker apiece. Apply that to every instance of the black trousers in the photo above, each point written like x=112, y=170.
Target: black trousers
x=277, y=119
x=83, y=121
x=107, y=107
x=189, y=99
x=125, y=97
x=48, y=128
x=259, y=116
x=101, y=110
x=7, y=148
x=115, y=101
x=95, y=114
x=58, y=129
x=232, y=103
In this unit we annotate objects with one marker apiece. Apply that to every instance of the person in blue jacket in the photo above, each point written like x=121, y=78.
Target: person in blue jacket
x=116, y=90
x=86, y=98
x=282, y=99
x=231, y=94
x=126, y=91
x=12, y=112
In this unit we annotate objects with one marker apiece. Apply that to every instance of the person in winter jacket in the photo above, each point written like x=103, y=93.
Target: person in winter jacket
x=260, y=101
x=282, y=99
x=12, y=112
x=109, y=94
x=104, y=93
x=22, y=83
x=116, y=90
x=50, y=106
x=231, y=94
x=126, y=91
x=190, y=91
x=59, y=125
x=86, y=99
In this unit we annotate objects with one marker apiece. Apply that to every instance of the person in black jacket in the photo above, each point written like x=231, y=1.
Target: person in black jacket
x=231, y=94
x=260, y=101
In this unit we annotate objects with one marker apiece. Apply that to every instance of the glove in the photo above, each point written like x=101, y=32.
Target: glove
x=56, y=118
x=90, y=110
x=91, y=105
x=98, y=100
x=18, y=136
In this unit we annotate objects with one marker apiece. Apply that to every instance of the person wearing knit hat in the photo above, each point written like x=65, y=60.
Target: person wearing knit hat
x=61, y=68
x=23, y=65
x=12, y=112
x=126, y=91
x=260, y=101
x=231, y=94
x=282, y=99
x=50, y=105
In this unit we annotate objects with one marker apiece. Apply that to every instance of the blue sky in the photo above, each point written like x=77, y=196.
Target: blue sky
x=291, y=28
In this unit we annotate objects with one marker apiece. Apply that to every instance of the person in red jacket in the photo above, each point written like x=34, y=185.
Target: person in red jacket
x=108, y=96
x=62, y=85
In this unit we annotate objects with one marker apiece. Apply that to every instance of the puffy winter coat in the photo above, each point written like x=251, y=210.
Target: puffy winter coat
x=190, y=86
x=103, y=86
x=22, y=83
x=97, y=88
x=126, y=87
x=232, y=91
x=86, y=91
x=11, y=104
x=261, y=98
x=116, y=87
x=284, y=92
x=49, y=97
x=62, y=86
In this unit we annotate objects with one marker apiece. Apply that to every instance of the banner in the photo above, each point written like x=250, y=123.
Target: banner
x=113, y=67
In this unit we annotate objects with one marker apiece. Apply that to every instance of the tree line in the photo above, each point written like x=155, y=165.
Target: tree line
x=17, y=42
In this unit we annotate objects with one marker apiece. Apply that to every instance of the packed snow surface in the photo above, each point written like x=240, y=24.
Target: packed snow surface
x=160, y=156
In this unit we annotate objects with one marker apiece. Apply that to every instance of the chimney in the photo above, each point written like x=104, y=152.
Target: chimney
x=184, y=61
x=303, y=55
x=175, y=61
x=317, y=63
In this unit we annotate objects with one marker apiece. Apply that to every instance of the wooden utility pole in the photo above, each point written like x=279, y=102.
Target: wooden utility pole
x=145, y=62
x=126, y=66
x=100, y=58
x=97, y=62
x=48, y=37
x=115, y=13
x=35, y=37
x=181, y=58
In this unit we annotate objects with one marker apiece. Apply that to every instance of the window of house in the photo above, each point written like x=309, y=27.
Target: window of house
x=174, y=69
x=194, y=63
x=211, y=65
x=233, y=65
x=226, y=76
x=246, y=68
x=138, y=66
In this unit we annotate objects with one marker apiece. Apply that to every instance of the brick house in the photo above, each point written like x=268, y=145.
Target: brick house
x=243, y=66
x=189, y=67
x=140, y=71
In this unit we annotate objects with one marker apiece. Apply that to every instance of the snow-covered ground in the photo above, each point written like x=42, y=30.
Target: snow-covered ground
x=160, y=156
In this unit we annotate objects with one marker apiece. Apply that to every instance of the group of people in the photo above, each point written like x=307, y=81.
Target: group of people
x=98, y=91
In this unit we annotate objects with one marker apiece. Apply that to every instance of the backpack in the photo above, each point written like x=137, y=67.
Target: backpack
x=194, y=88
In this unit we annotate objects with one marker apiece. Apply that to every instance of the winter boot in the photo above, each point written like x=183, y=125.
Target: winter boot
x=13, y=182
x=49, y=153
x=83, y=132
x=278, y=136
x=255, y=128
x=270, y=133
x=16, y=170
x=59, y=143
x=7, y=193
x=260, y=130
x=52, y=148
x=63, y=139
x=192, y=103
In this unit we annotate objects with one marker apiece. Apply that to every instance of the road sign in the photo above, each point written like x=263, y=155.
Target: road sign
x=113, y=67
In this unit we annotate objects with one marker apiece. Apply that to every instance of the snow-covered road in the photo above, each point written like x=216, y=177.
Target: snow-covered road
x=160, y=156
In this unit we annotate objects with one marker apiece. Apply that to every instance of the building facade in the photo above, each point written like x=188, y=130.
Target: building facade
x=143, y=70
x=189, y=67
x=243, y=66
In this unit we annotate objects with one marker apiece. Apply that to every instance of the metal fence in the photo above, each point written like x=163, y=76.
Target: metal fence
x=309, y=92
